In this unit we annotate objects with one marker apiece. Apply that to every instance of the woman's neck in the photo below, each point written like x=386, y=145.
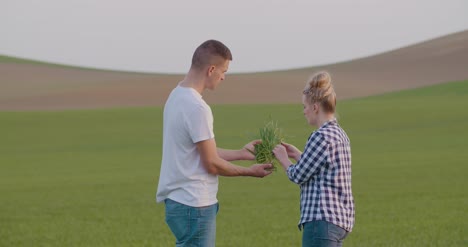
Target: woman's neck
x=323, y=118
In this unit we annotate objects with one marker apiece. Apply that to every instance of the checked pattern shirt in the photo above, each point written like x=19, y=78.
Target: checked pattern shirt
x=324, y=175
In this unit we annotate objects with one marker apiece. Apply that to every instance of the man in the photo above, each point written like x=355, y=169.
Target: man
x=191, y=162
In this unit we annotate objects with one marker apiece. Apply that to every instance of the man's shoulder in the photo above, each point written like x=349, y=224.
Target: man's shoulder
x=186, y=102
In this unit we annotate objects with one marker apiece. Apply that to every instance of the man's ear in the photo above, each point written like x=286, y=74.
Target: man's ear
x=211, y=70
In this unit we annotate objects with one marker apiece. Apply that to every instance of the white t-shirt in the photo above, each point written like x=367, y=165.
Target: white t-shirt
x=183, y=178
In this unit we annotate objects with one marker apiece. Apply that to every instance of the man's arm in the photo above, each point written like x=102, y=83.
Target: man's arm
x=230, y=155
x=241, y=154
x=216, y=165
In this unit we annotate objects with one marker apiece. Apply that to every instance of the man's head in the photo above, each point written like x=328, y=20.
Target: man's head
x=211, y=59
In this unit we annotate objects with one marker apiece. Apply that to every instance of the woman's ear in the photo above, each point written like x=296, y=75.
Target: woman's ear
x=316, y=107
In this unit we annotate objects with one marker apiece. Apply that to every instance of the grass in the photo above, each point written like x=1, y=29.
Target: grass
x=9, y=59
x=18, y=60
x=271, y=136
x=88, y=178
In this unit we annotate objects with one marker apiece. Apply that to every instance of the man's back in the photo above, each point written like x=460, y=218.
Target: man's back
x=187, y=120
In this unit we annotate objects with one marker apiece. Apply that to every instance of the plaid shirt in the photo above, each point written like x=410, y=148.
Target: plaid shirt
x=324, y=175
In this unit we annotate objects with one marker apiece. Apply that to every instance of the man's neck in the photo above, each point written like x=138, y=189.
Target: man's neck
x=194, y=81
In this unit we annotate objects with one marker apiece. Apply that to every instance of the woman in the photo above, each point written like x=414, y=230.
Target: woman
x=323, y=171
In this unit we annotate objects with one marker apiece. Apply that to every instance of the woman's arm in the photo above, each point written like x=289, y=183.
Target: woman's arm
x=315, y=154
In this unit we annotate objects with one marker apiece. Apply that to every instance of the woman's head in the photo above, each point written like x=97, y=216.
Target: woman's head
x=319, y=98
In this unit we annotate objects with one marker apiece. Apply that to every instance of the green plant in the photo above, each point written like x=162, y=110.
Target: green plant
x=270, y=135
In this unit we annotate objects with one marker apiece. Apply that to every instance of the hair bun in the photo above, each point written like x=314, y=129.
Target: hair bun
x=320, y=80
x=320, y=89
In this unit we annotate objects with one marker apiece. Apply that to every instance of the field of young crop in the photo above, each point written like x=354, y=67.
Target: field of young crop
x=88, y=178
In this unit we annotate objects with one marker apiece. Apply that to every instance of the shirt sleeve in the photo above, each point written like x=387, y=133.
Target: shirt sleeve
x=314, y=156
x=200, y=124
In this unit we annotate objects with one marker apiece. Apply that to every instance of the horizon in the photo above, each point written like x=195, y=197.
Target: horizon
x=141, y=38
x=52, y=63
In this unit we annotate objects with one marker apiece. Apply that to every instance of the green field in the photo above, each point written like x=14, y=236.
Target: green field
x=88, y=178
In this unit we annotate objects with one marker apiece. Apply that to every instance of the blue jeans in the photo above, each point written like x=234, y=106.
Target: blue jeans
x=191, y=226
x=322, y=234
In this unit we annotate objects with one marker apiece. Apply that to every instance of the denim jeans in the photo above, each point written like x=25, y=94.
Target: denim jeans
x=191, y=226
x=322, y=234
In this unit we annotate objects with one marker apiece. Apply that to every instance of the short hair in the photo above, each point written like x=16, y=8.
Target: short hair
x=319, y=89
x=208, y=51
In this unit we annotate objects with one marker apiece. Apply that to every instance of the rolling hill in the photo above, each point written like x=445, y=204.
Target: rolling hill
x=33, y=85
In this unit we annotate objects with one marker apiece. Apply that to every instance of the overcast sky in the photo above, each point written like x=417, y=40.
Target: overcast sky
x=160, y=36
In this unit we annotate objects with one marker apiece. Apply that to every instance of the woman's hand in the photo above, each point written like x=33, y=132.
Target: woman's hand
x=280, y=153
x=292, y=151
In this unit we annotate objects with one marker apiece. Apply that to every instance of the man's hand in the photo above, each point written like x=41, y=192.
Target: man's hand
x=292, y=151
x=260, y=170
x=246, y=154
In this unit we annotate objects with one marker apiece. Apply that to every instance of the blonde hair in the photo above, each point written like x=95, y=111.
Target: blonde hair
x=319, y=89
